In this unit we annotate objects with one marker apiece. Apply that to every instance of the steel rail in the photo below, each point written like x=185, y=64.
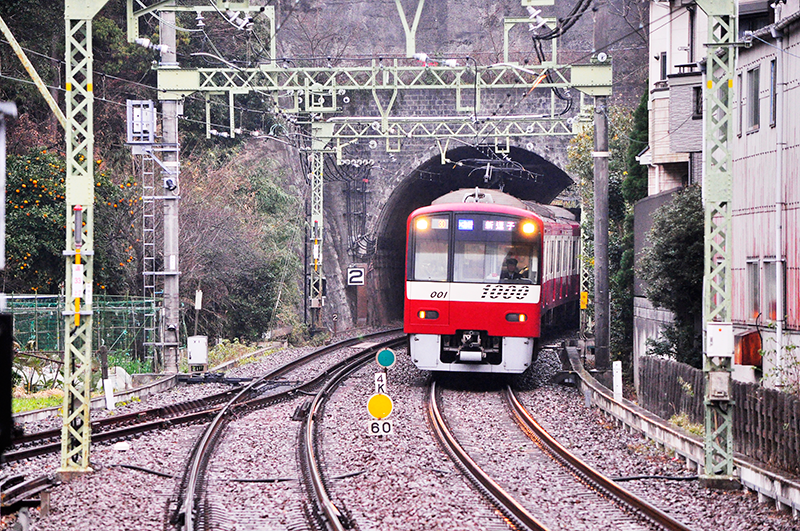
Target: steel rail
x=510, y=507
x=15, y=493
x=203, y=449
x=600, y=482
x=102, y=426
x=326, y=511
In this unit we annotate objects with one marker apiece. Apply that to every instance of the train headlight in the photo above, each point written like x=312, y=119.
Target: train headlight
x=428, y=314
x=528, y=227
x=422, y=224
x=516, y=317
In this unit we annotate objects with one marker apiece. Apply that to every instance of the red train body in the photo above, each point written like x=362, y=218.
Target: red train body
x=483, y=272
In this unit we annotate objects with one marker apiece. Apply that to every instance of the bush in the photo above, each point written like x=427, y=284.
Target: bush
x=131, y=366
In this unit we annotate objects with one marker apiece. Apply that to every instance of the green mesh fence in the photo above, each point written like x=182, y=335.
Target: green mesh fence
x=120, y=323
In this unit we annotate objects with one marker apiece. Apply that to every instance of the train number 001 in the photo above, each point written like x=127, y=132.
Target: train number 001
x=438, y=294
x=379, y=427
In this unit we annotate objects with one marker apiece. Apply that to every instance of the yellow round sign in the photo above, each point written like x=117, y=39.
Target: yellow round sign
x=380, y=406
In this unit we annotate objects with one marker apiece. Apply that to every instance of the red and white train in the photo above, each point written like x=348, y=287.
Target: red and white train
x=484, y=271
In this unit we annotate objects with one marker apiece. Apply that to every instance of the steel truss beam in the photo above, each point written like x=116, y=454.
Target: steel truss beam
x=488, y=130
x=717, y=194
x=380, y=75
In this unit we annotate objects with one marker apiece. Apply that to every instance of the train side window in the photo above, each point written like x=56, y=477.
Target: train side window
x=533, y=267
x=570, y=246
x=575, y=251
x=560, y=258
x=546, y=262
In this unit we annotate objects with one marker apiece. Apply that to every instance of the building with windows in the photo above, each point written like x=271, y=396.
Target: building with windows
x=764, y=244
x=766, y=192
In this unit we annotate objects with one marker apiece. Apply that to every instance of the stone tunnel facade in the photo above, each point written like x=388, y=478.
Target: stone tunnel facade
x=367, y=200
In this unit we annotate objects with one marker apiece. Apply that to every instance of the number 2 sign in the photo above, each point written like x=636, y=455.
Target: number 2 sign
x=355, y=276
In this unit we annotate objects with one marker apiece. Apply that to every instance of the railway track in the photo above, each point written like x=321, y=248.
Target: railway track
x=120, y=427
x=629, y=511
x=190, y=513
x=397, y=482
x=19, y=491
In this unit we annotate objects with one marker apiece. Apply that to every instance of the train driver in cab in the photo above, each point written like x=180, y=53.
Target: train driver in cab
x=510, y=271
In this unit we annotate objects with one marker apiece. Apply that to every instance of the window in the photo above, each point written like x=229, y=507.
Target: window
x=575, y=248
x=560, y=260
x=663, y=65
x=773, y=92
x=770, y=291
x=739, y=91
x=697, y=102
x=692, y=9
x=753, y=114
x=494, y=248
x=753, y=289
x=762, y=295
x=431, y=248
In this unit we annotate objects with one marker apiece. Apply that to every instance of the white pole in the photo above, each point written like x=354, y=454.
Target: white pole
x=779, y=201
x=108, y=388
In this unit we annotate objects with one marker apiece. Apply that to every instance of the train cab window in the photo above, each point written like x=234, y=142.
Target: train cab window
x=431, y=240
x=495, y=248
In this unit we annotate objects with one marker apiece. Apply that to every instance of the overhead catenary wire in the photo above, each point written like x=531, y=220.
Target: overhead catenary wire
x=660, y=20
x=570, y=20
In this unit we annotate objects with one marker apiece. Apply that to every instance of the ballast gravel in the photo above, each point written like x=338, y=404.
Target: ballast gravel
x=615, y=452
x=399, y=481
x=402, y=481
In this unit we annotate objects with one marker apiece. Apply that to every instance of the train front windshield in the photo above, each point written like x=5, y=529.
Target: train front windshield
x=487, y=248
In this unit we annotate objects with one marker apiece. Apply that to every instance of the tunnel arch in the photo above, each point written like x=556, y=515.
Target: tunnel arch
x=520, y=172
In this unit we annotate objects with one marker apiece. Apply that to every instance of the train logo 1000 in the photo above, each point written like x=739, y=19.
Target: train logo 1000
x=484, y=272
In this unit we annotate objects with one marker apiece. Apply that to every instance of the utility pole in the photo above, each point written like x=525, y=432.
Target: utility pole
x=169, y=125
x=717, y=194
x=79, y=252
x=600, y=155
x=7, y=110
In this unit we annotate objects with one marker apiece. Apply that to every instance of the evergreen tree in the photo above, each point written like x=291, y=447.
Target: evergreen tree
x=673, y=270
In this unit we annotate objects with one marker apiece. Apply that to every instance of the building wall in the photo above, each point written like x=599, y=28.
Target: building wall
x=685, y=124
x=670, y=24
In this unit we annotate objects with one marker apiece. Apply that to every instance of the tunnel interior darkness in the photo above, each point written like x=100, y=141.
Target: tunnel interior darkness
x=520, y=173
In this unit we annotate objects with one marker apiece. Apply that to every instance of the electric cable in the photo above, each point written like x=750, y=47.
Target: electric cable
x=571, y=19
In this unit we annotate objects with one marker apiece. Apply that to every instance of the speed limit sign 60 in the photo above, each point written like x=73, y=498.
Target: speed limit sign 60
x=379, y=427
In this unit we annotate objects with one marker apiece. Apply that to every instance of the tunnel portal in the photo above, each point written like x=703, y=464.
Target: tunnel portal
x=520, y=173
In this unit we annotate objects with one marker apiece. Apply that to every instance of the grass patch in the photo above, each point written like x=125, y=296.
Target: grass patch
x=682, y=421
x=227, y=351
x=131, y=366
x=23, y=401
